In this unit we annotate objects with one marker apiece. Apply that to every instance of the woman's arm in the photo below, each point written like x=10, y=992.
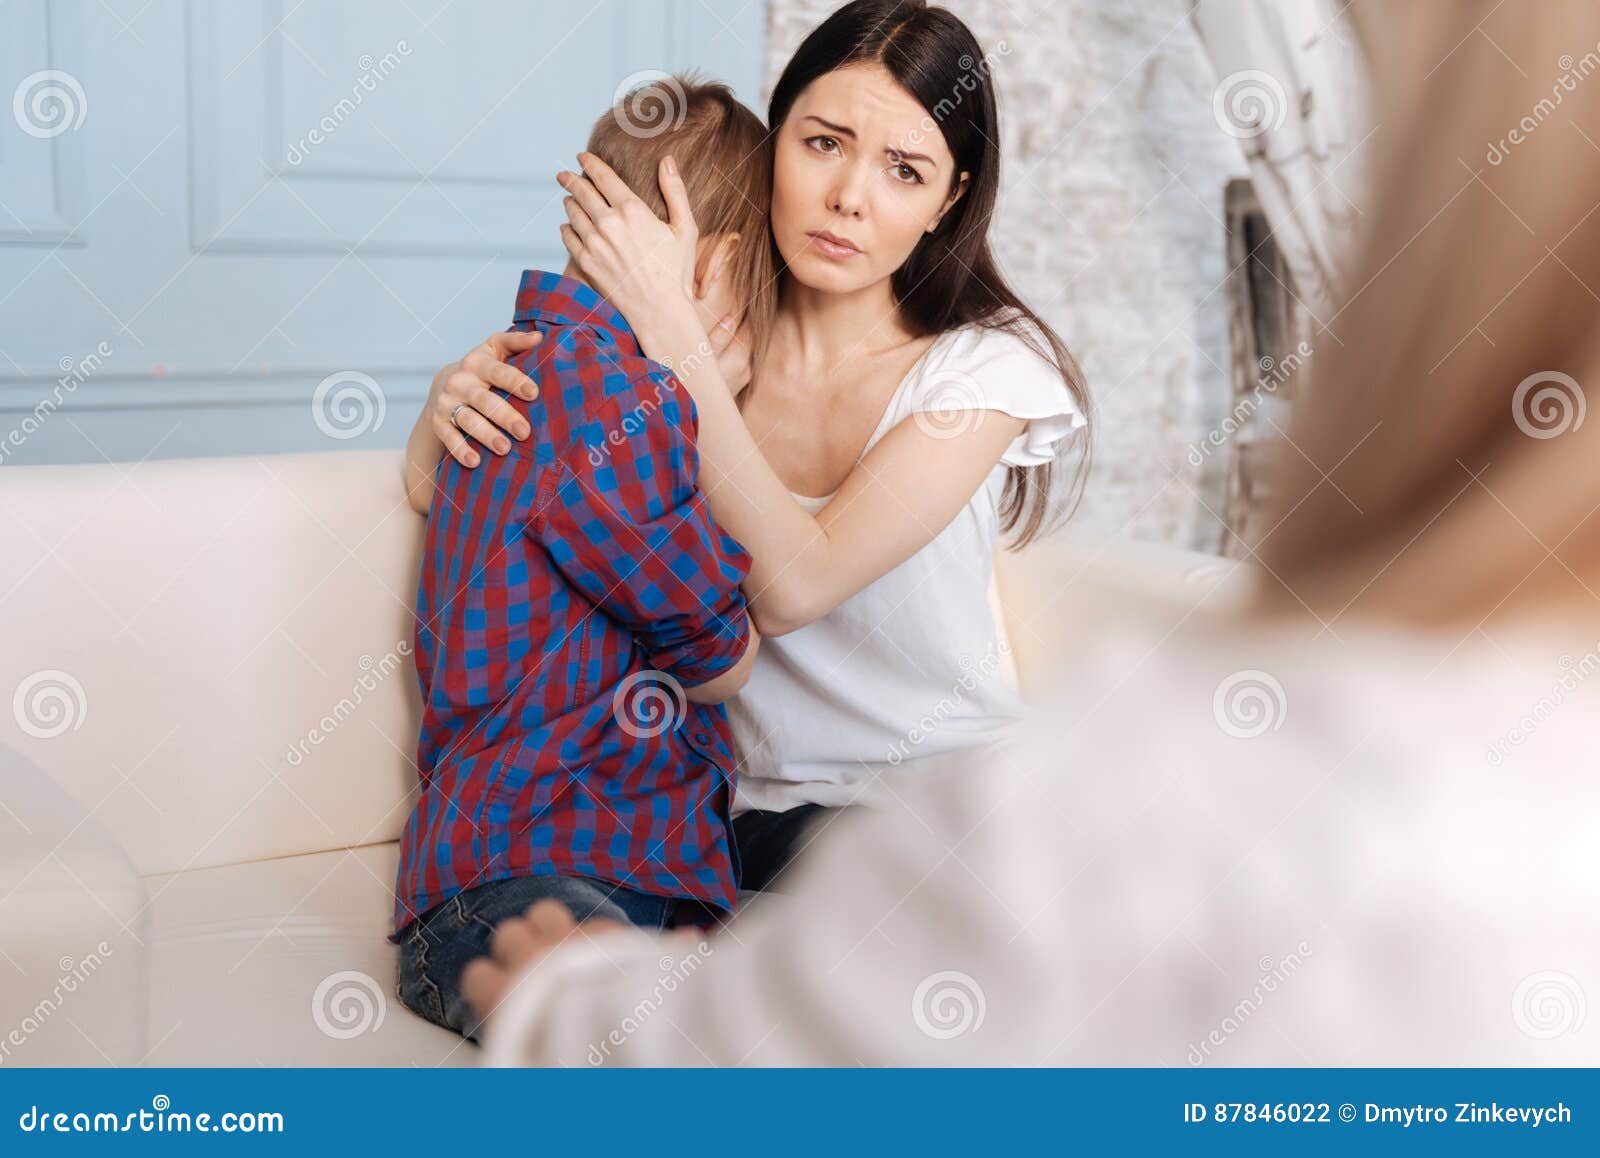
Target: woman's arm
x=484, y=414
x=902, y=494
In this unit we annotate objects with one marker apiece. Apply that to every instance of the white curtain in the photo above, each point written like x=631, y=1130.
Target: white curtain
x=1292, y=89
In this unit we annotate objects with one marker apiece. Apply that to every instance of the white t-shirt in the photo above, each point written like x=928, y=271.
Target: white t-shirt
x=916, y=664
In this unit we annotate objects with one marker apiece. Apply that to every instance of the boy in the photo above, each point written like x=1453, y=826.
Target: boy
x=579, y=616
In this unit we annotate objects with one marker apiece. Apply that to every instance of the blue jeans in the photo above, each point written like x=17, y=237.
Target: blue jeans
x=436, y=948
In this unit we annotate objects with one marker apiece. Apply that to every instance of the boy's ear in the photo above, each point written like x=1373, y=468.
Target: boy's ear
x=716, y=252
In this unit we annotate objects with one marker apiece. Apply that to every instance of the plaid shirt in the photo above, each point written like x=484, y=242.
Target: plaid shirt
x=569, y=591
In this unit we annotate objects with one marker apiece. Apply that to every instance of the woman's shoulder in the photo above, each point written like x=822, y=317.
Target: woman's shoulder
x=1006, y=364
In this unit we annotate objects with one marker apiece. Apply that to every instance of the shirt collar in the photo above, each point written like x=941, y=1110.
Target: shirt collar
x=554, y=300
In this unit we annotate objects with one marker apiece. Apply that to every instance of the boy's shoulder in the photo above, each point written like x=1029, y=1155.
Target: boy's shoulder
x=594, y=390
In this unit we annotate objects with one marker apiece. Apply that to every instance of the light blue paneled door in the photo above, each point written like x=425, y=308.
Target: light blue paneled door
x=260, y=225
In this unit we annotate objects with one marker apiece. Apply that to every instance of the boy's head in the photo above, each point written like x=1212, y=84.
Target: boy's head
x=724, y=157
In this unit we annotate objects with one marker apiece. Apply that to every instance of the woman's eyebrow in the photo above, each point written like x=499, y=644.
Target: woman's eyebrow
x=847, y=131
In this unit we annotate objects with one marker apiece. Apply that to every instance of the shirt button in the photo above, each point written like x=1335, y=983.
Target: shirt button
x=702, y=737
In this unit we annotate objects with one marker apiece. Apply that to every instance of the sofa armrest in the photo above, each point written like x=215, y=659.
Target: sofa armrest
x=72, y=931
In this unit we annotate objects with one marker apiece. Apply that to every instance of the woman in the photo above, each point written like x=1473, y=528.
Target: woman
x=1363, y=832
x=909, y=410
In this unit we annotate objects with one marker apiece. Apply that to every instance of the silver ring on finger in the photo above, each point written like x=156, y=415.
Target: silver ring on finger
x=459, y=407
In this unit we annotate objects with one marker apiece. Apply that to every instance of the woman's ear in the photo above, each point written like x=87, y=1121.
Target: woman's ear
x=716, y=252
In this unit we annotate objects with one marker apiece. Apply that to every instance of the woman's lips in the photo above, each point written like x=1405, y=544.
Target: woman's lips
x=832, y=246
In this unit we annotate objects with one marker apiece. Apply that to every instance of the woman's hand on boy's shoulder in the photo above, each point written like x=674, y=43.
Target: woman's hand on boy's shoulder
x=465, y=391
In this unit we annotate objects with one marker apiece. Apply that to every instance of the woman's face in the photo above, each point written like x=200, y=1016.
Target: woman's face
x=861, y=174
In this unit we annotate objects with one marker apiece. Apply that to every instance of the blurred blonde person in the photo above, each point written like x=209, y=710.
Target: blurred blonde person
x=1363, y=831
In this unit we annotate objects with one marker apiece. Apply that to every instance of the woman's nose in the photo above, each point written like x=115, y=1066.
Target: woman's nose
x=849, y=195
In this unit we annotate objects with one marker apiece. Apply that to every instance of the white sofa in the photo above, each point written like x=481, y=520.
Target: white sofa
x=209, y=661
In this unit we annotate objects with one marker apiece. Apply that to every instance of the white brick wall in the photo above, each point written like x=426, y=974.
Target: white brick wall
x=1110, y=226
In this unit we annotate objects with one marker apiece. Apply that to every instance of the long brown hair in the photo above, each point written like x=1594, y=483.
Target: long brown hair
x=1441, y=467
x=951, y=279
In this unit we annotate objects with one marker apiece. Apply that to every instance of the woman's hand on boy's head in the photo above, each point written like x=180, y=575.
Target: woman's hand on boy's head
x=642, y=265
x=471, y=384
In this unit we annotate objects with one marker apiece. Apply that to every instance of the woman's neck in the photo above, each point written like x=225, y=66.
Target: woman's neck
x=827, y=328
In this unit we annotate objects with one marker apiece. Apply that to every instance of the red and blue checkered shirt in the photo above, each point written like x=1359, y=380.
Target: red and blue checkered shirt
x=570, y=590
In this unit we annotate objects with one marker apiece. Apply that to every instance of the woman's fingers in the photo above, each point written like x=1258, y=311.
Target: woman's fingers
x=480, y=426
x=613, y=188
x=679, y=214
x=580, y=220
x=455, y=443
x=583, y=191
x=484, y=985
x=483, y=368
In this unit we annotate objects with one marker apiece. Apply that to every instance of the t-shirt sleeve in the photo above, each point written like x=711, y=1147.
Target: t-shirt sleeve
x=998, y=370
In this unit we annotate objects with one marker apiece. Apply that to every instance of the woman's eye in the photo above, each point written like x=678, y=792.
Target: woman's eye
x=905, y=173
x=823, y=144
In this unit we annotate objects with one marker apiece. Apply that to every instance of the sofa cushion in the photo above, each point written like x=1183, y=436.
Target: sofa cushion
x=285, y=962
